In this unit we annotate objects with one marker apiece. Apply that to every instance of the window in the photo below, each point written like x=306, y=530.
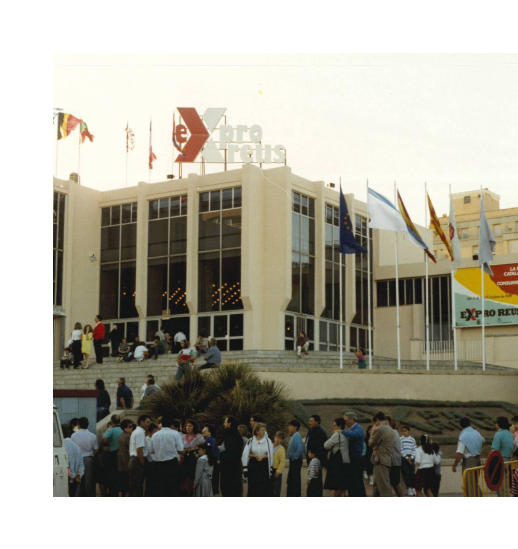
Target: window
x=118, y=262
x=58, y=248
x=219, y=260
x=467, y=200
x=167, y=257
x=332, y=266
x=228, y=330
x=410, y=292
x=303, y=255
x=440, y=308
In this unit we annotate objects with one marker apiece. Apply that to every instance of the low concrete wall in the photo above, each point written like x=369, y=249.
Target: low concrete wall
x=412, y=385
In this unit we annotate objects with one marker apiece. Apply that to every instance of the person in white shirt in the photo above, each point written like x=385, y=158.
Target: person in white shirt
x=178, y=338
x=257, y=462
x=426, y=460
x=138, y=452
x=76, y=345
x=167, y=445
x=140, y=353
x=151, y=463
x=87, y=442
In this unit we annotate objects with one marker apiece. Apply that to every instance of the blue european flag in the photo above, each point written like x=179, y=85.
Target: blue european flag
x=348, y=243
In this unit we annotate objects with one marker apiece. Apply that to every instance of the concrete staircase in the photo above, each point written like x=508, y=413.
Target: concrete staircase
x=165, y=367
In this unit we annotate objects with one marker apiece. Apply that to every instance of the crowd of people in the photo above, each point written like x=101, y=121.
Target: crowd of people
x=78, y=348
x=165, y=458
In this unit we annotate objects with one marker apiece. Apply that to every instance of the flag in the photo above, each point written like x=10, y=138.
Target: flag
x=413, y=233
x=174, y=139
x=83, y=129
x=383, y=214
x=130, y=138
x=487, y=242
x=66, y=124
x=437, y=226
x=152, y=156
x=454, y=238
x=348, y=243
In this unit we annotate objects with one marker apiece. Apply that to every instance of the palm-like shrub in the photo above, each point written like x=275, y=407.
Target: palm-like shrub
x=231, y=390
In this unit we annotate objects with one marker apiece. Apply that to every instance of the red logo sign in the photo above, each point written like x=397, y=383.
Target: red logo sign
x=494, y=470
x=198, y=138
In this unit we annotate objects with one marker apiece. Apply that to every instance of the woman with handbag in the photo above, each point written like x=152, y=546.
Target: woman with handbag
x=338, y=463
x=190, y=440
x=258, y=462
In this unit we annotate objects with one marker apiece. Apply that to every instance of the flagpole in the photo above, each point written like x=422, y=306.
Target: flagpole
x=341, y=299
x=57, y=145
x=369, y=332
x=397, y=293
x=127, y=127
x=453, y=313
x=482, y=296
x=427, y=312
x=149, y=168
x=79, y=157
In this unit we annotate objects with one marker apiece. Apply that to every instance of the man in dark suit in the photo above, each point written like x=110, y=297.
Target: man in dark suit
x=315, y=440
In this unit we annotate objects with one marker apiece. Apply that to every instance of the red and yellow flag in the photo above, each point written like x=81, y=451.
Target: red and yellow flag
x=437, y=226
x=83, y=129
x=66, y=124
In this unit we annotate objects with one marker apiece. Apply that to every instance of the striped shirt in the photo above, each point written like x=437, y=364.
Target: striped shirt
x=314, y=469
x=514, y=485
x=408, y=447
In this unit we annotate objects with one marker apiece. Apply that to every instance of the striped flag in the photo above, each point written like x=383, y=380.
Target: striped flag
x=437, y=226
x=454, y=238
x=152, y=156
x=66, y=124
x=487, y=242
x=83, y=129
x=130, y=138
x=413, y=233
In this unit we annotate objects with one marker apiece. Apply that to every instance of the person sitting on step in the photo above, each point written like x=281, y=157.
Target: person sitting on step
x=302, y=344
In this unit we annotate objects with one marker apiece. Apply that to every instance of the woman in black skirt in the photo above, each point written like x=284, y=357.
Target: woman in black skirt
x=336, y=479
x=257, y=463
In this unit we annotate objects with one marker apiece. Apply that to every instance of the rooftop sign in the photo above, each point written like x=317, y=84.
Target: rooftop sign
x=241, y=144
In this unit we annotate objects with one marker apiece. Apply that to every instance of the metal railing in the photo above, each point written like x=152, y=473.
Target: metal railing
x=444, y=350
x=474, y=482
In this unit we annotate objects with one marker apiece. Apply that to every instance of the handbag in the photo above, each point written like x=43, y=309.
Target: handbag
x=336, y=457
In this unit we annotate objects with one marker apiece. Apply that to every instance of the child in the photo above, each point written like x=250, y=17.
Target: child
x=66, y=359
x=426, y=461
x=408, y=448
x=437, y=468
x=204, y=469
x=360, y=353
x=315, y=486
x=279, y=460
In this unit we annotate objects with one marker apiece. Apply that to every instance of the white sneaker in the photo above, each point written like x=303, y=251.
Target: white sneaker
x=410, y=492
x=371, y=480
x=365, y=475
x=414, y=492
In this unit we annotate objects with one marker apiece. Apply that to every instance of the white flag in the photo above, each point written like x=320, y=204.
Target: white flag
x=384, y=215
x=487, y=242
x=454, y=238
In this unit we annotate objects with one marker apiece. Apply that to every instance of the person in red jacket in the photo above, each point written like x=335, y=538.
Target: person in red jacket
x=98, y=335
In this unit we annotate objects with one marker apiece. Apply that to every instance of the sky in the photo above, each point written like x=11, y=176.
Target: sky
x=410, y=119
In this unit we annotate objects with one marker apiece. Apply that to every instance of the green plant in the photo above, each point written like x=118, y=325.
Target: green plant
x=231, y=390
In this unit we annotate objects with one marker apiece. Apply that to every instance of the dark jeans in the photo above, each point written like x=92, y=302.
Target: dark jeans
x=294, y=483
x=152, y=479
x=356, y=486
x=98, y=346
x=208, y=365
x=276, y=486
x=88, y=481
x=183, y=368
x=76, y=351
x=408, y=472
x=315, y=488
x=65, y=364
x=155, y=351
x=73, y=489
x=112, y=474
x=136, y=478
x=168, y=479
